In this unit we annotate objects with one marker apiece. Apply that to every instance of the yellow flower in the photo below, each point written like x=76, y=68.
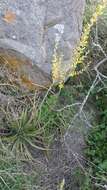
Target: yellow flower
x=79, y=51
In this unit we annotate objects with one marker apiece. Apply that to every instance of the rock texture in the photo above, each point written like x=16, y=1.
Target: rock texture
x=32, y=27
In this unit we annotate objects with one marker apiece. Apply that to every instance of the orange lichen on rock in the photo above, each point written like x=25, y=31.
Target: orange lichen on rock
x=27, y=82
x=9, y=17
x=12, y=59
x=9, y=62
x=21, y=72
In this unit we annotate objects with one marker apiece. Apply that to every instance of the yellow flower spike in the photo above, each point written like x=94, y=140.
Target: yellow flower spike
x=79, y=51
x=57, y=73
x=61, y=85
x=62, y=184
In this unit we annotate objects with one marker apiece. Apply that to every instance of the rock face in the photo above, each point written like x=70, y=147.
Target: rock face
x=33, y=27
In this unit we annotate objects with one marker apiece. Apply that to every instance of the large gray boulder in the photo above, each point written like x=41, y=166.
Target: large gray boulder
x=33, y=27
